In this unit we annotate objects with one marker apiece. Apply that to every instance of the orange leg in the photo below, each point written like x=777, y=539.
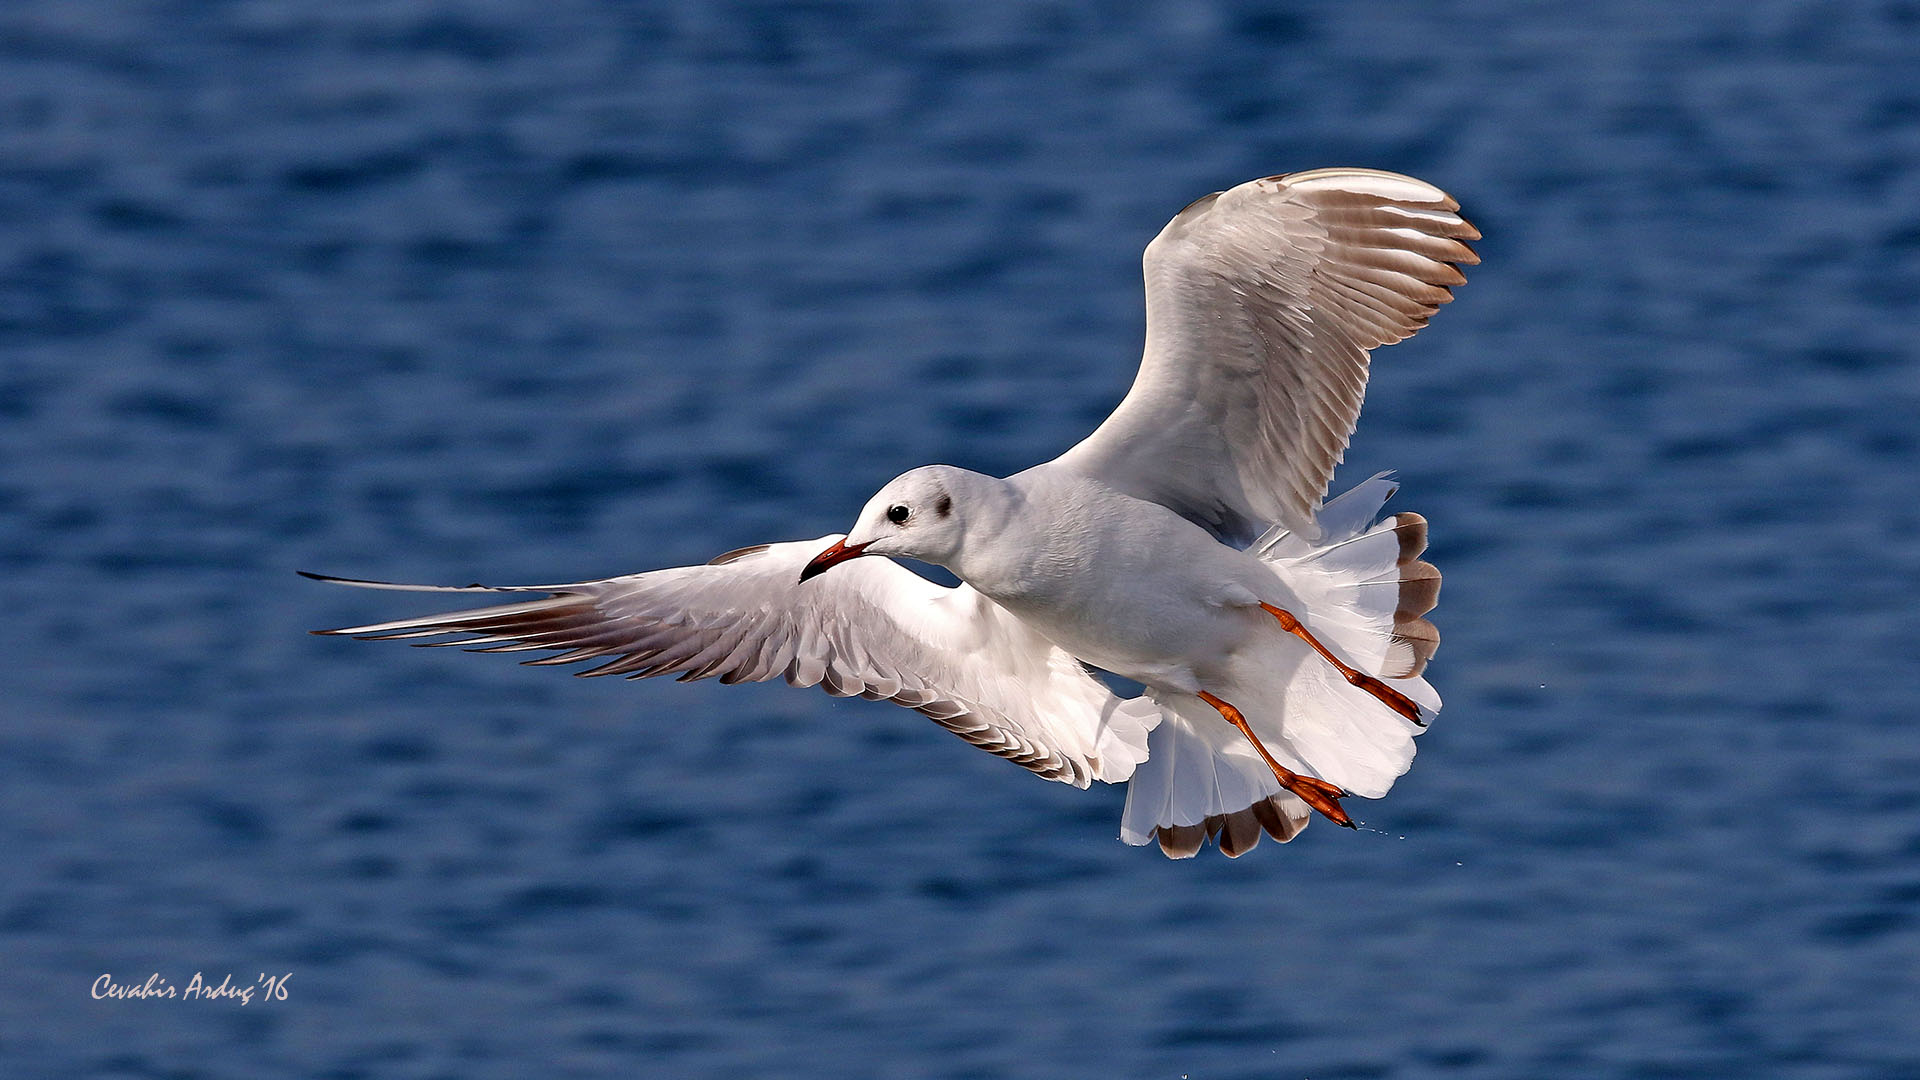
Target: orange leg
x=1313, y=791
x=1391, y=698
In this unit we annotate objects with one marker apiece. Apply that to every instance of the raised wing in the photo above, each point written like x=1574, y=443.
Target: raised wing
x=1262, y=302
x=871, y=628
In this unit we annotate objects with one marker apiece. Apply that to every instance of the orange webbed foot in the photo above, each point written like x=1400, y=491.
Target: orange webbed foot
x=1315, y=792
x=1386, y=695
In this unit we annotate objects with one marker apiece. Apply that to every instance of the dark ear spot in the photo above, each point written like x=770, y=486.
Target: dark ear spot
x=945, y=506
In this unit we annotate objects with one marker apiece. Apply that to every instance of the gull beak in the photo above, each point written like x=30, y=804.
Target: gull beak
x=831, y=557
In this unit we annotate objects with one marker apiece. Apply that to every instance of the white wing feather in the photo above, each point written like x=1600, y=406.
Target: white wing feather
x=871, y=628
x=1262, y=304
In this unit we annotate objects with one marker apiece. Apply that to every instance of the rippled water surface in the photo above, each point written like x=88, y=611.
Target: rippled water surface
x=484, y=290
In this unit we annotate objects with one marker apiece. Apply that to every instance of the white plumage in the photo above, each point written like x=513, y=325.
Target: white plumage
x=1182, y=545
x=873, y=629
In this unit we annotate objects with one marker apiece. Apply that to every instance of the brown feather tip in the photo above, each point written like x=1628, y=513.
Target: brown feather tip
x=1419, y=590
x=1412, y=530
x=1281, y=817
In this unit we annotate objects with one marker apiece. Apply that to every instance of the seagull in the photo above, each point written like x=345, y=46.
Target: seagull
x=1278, y=640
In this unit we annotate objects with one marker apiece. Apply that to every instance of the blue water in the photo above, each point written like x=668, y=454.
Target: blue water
x=450, y=291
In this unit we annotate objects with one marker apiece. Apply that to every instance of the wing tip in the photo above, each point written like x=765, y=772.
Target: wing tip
x=402, y=586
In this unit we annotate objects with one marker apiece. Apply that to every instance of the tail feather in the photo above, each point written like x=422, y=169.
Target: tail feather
x=1414, y=642
x=1280, y=816
x=1347, y=581
x=1419, y=590
x=1411, y=528
x=1364, y=590
x=1414, y=638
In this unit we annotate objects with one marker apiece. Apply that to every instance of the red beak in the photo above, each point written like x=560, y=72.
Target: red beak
x=832, y=557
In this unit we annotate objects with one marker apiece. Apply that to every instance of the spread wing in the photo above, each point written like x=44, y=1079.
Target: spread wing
x=871, y=627
x=1262, y=303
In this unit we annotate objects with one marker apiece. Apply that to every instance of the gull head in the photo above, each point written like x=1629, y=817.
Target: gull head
x=918, y=515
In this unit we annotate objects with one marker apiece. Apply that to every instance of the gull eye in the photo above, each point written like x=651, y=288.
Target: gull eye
x=897, y=514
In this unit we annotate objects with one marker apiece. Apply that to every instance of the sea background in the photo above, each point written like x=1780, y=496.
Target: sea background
x=453, y=291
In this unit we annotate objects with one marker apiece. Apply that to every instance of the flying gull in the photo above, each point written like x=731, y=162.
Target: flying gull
x=1184, y=546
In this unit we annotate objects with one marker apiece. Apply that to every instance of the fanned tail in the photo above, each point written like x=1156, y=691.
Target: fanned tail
x=1200, y=782
x=1365, y=593
x=1350, y=564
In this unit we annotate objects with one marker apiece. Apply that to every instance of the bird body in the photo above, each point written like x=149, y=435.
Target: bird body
x=1126, y=585
x=1183, y=545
